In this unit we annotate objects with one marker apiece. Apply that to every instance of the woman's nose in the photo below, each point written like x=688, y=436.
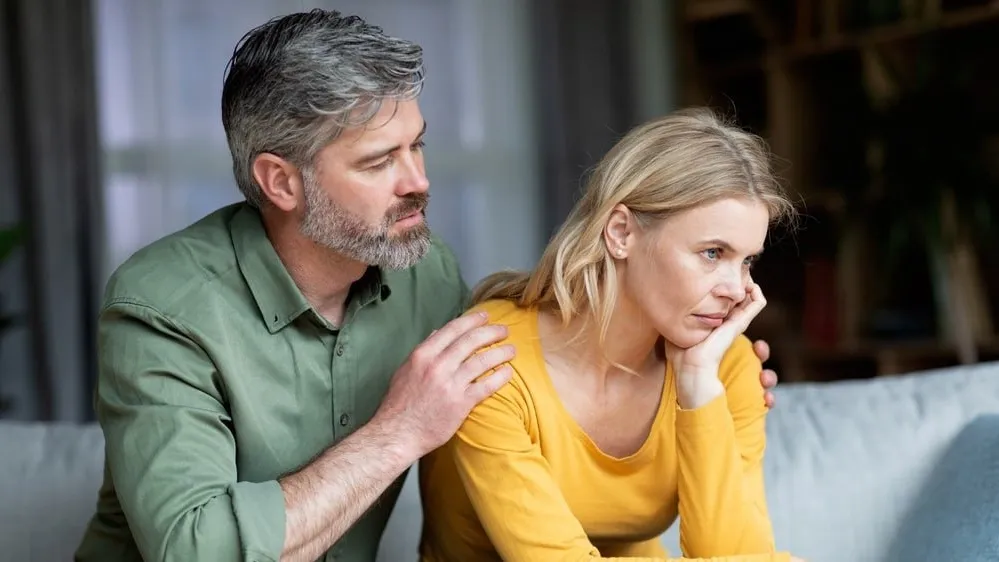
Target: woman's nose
x=732, y=285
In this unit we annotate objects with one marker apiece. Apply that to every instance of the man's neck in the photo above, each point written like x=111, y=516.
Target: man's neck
x=323, y=276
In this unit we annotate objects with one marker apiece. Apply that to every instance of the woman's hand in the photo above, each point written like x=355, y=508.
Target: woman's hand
x=696, y=367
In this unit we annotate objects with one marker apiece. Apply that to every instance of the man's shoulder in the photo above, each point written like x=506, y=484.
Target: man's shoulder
x=440, y=261
x=171, y=268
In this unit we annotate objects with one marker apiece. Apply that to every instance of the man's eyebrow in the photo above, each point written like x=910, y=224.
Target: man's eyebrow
x=726, y=246
x=382, y=153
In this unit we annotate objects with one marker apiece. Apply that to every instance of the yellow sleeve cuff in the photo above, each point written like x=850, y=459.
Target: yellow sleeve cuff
x=711, y=414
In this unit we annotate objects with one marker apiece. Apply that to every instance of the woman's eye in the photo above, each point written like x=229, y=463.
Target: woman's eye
x=419, y=145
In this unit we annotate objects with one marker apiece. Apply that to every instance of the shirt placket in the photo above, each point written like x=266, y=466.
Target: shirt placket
x=342, y=373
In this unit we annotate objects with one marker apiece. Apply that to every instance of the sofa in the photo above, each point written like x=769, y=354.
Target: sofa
x=851, y=467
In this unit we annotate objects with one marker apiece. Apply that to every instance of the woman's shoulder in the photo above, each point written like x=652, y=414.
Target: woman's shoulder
x=522, y=333
x=503, y=311
x=521, y=323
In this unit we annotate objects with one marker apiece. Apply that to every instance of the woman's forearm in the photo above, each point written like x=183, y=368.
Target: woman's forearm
x=722, y=506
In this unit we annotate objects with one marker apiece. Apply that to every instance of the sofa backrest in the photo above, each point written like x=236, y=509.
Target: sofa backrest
x=49, y=477
x=844, y=463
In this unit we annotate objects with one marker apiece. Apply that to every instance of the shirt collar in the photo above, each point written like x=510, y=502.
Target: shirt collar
x=277, y=296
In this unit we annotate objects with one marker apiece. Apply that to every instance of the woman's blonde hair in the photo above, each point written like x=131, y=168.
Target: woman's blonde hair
x=685, y=159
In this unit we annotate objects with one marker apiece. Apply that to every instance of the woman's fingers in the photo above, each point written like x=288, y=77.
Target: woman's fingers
x=749, y=308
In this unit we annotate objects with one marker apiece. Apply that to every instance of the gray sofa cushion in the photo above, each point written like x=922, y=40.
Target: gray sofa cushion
x=957, y=514
x=51, y=474
x=846, y=461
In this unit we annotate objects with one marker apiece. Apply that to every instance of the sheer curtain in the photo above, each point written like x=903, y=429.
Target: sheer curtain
x=160, y=70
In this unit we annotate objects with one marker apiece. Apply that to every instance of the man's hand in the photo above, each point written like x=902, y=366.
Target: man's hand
x=428, y=399
x=768, y=378
x=433, y=392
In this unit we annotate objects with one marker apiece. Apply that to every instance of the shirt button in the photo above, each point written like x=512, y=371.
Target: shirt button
x=344, y=419
x=339, y=350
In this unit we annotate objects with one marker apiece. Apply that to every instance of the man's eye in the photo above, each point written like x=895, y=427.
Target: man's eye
x=381, y=165
x=712, y=254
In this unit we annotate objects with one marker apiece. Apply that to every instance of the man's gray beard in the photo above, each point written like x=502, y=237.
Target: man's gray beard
x=332, y=226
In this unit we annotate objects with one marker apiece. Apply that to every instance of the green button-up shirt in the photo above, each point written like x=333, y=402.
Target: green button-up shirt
x=217, y=377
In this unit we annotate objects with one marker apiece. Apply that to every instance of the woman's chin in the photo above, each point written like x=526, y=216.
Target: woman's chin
x=686, y=338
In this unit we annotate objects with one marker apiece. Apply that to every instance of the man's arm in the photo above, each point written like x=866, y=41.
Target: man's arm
x=171, y=449
x=428, y=399
x=324, y=499
x=172, y=452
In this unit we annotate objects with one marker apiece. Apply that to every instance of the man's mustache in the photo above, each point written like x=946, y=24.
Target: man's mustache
x=409, y=205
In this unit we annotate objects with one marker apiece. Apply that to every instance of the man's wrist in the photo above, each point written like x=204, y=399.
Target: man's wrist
x=395, y=436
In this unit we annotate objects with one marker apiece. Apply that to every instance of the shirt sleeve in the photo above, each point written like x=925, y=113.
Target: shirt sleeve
x=720, y=447
x=170, y=447
x=515, y=496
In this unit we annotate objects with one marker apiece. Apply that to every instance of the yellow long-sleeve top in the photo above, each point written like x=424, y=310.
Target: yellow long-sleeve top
x=522, y=482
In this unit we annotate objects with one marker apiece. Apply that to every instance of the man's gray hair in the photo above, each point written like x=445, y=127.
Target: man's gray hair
x=296, y=82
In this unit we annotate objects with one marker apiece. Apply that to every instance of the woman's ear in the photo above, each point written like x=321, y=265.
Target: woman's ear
x=619, y=232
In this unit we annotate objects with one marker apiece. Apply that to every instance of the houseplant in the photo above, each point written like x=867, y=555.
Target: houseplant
x=934, y=186
x=10, y=239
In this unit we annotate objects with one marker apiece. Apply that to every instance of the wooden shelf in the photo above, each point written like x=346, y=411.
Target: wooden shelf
x=801, y=362
x=888, y=33
x=777, y=55
x=706, y=10
x=811, y=83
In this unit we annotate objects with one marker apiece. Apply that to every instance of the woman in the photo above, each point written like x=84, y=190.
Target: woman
x=635, y=396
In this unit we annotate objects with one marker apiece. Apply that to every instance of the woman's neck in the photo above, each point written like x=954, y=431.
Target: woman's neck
x=629, y=346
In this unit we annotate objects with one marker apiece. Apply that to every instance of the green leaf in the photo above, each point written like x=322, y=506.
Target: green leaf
x=10, y=239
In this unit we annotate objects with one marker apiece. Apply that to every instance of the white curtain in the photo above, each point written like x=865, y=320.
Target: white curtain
x=160, y=72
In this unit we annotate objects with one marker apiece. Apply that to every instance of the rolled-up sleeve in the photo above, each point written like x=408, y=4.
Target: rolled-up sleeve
x=170, y=446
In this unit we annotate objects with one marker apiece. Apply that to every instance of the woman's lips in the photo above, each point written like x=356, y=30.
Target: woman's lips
x=711, y=320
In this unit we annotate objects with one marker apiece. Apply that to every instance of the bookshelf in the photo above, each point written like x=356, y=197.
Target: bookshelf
x=814, y=77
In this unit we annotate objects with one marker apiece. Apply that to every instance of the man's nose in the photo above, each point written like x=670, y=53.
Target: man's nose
x=413, y=178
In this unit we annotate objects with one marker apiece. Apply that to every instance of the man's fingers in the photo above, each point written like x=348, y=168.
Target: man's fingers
x=484, y=361
x=762, y=350
x=768, y=378
x=469, y=343
x=438, y=341
x=486, y=386
x=769, y=399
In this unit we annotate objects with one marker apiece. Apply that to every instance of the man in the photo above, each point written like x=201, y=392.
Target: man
x=269, y=374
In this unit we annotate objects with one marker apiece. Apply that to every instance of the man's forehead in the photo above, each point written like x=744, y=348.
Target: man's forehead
x=394, y=119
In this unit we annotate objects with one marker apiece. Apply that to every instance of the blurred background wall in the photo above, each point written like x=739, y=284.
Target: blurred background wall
x=115, y=140
x=879, y=114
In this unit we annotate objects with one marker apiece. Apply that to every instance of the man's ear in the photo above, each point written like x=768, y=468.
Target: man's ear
x=279, y=180
x=618, y=232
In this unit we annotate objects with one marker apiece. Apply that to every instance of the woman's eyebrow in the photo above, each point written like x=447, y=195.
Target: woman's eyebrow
x=726, y=246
